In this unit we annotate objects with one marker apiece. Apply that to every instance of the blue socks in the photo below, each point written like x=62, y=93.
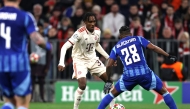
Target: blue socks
x=8, y=106
x=109, y=97
x=106, y=101
x=169, y=101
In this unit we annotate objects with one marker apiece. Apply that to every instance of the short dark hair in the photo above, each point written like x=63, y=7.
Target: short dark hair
x=87, y=15
x=178, y=20
x=170, y=6
x=124, y=30
x=135, y=5
x=136, y=18
x=114, y=4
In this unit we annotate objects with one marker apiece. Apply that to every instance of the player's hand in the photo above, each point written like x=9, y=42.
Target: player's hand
x=60, y=68
x=172, y=58
x=108, y=86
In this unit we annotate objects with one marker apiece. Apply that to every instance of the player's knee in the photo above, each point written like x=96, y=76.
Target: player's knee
x=163, y=90
x=23, y=100
x=82, y=86
x=82, y=83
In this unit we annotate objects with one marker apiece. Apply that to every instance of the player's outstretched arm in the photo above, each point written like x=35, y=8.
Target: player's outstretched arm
x=101, y=50
x=64, y=48
x=39, y=40
x=157, y=49
x=161, y=51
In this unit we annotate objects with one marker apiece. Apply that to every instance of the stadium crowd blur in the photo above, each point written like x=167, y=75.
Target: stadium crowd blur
x=165, y=23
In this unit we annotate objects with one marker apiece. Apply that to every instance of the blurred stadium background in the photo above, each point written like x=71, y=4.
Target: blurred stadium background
x=165, y=23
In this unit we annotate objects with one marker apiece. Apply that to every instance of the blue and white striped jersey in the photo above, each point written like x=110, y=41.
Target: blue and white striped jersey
x=130, y=51
x=15, y=27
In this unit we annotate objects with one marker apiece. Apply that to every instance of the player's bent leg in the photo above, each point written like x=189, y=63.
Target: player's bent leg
x=6, y=86
x=162, y=90
x=22, y=89
x=167, y=98
x=23, y=102
x=79, y=92
x=108, y=98
x=104, y=77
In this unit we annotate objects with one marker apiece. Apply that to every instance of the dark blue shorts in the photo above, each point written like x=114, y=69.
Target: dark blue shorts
x=148, y=81
x=18, y=83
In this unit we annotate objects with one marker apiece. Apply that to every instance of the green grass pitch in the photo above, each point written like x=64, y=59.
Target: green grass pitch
x=94, y=106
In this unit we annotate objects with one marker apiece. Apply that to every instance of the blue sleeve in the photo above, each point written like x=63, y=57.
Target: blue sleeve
x=30, y=23
x=113, y=54
x=143, y=41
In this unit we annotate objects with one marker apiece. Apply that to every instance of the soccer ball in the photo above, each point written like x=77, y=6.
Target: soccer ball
x=117, y=106
x=34, y=58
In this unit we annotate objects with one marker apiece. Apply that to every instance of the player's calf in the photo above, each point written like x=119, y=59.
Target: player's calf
x=105, y=101
x=78, y=97
x=167, y=98
x=113, y=101
x=23, y=102
x=82, y=83
x=79, y=92
x=9, y=103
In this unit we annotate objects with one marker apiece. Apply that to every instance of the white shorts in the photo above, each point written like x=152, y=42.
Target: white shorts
x=94, y=66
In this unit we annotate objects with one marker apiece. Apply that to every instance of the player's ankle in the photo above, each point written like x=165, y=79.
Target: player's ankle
x=21, y=107
x=76, y=106
x=8, y=106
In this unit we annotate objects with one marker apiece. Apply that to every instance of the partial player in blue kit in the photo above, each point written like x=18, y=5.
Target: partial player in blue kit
x=136, y=71
x=15, y=27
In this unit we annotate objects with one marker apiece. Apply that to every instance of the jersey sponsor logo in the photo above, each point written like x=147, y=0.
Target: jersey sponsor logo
x=8, y=16
x=126, y=42
x=89, y=47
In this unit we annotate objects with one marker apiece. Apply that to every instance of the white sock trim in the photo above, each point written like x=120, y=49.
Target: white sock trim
x=111, y=95
x=165, y=94
x=80, y=91
x=10, y=105
x=21, y=107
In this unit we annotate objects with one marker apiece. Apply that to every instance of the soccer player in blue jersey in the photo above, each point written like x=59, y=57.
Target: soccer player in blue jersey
x=136, y=71
x=15, y=26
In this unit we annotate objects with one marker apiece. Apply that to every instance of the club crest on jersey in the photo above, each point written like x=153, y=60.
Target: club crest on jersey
x=79, y=72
